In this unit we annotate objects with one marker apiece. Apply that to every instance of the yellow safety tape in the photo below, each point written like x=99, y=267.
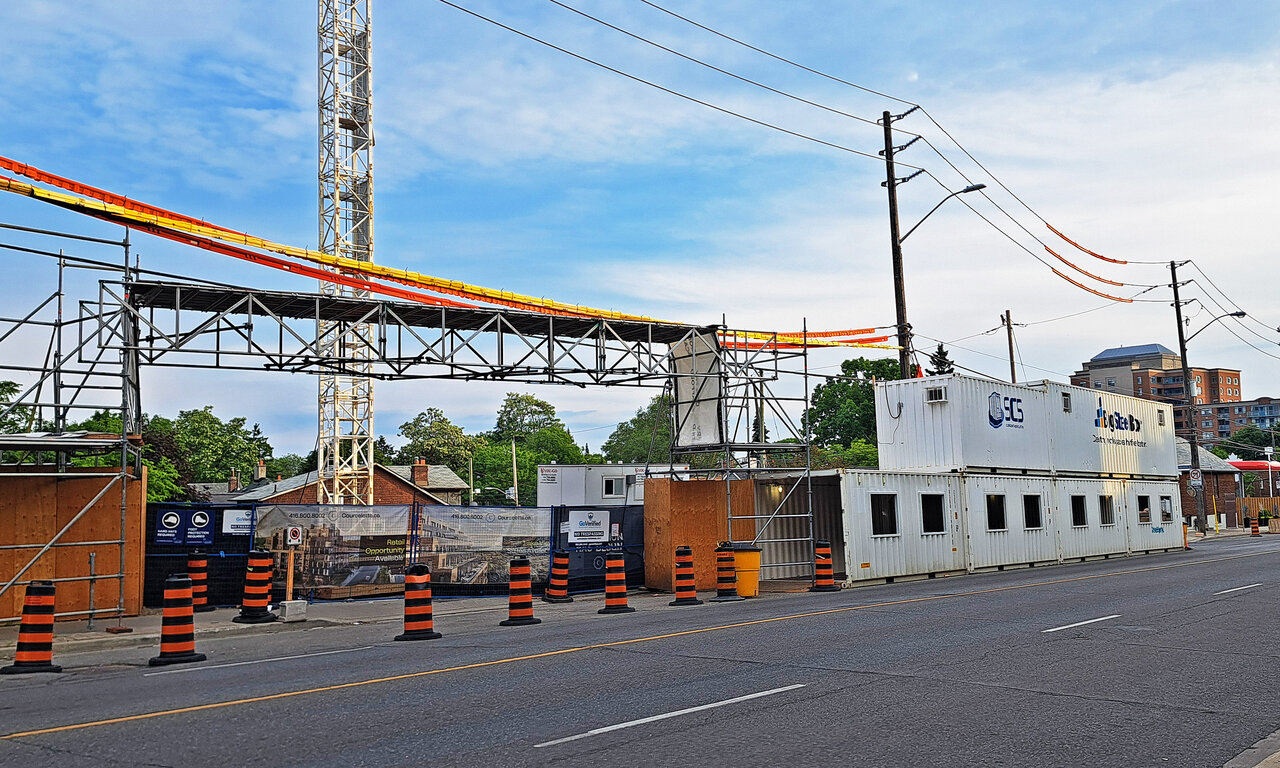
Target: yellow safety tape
x=369, y=268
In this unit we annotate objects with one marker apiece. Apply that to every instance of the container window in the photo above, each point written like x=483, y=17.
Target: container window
x=884, y=514
x=1166, y=509
x=1031, y=518
x=1066, y=402
x=933, y=516
x=1079, y=512
x=614, y=488
x=995, y=512
x=1160, y=418
x=935, y=395
x=1144, y=509
x=1107, y=510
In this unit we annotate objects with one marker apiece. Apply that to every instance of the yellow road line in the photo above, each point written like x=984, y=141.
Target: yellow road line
x=562, y=651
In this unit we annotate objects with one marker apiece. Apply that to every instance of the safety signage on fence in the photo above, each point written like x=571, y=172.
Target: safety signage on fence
x=169, y=526
x=199, y=528
x=238, y=522
x=587, y=526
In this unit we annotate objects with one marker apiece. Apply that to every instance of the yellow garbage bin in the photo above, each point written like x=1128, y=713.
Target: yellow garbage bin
x=746, y=564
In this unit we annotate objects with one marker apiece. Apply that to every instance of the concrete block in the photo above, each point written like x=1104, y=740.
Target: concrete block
x=292, y=610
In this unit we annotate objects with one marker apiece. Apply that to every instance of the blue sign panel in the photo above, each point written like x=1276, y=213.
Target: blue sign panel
x=170, y=526
x=199, y=527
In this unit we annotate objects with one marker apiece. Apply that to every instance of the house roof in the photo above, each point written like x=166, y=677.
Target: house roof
x=1208, y=461
x=439, y=477
x=1139, y=350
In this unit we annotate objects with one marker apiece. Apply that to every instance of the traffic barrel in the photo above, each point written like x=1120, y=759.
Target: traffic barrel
x=686, y=586
x=1254, y=528
x=726, y=576
x=418, y=623
x=520, y=596
x=824, y=579
x=177, y=624
x=615, y=585
x=198, y=571
x=558, y=586
x=35, y=632
x=257, y=590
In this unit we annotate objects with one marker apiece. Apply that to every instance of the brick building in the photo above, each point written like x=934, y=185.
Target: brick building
x=1221, y=487
x=1219, y=421
x=1154, y=372
x=420, y=482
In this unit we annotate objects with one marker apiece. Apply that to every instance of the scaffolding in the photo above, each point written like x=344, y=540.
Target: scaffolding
x=730, y=382
x=78, y=375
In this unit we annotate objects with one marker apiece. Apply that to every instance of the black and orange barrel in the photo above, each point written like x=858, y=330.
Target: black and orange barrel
x=35, y=632
x=257, y=590
x=520, y=596
x=823, y=576
x=726, y=576
x=686, y=585
x=558, y=586
x=418, y=622
x=177, y=624
x=198, y=571
x=615, y=585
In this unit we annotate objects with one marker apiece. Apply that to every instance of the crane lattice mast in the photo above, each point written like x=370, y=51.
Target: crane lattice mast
x=345, y=443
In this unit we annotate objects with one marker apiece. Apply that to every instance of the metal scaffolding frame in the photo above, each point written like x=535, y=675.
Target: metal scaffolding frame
x=76, y=376
x=344, y=443
x=747, y=398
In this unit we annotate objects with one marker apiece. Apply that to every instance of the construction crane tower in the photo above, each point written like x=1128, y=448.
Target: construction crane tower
x=345, y=443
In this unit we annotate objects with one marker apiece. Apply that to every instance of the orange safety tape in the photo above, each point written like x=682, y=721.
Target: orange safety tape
x=1090, y=290
x=1081, y=247
x=1082, y=271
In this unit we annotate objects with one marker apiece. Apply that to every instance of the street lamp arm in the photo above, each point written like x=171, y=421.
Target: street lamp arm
x=1214, y=320
x=970, y=188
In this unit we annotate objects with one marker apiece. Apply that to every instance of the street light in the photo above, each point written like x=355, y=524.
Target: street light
x=1188, y=393
x=1270, y=488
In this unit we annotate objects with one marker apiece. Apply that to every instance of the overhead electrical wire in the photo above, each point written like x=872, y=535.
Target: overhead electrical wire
x=930, y=144
x=667, y=90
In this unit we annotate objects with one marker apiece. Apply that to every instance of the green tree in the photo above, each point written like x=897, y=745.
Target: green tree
x=214, y=447
x=1220, y=452
x=759, y=430
x=384, y=452
x=434, y=438
x=646, y=437
x=940, y=362
x=554, y=444
x=165, y=467
x=19, y=419
x=290, y=464
x=520, y=416
x=843, y=409
x=1249, y=442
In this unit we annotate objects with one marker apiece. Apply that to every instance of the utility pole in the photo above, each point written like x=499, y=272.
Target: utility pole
x=1008, y=325
x=899, y=286
x=1189, y=394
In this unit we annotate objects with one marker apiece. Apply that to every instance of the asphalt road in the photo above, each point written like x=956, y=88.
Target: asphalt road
x=978, y=670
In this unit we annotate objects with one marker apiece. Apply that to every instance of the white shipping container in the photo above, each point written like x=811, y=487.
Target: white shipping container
x=899, y=524
x=953, y=423
x=1104, y=433
x=594, y=484
x=998, y=520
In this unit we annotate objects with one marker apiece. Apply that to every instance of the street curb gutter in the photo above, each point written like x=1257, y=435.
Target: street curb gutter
x=1264, y=754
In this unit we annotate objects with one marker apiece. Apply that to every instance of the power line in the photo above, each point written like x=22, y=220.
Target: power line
x=670, y=91
x=714, y=68
x=1235, y=303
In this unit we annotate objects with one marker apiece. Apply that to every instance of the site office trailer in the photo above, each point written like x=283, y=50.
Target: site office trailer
x=596, y=485
x=902, y=525
x=958, y=423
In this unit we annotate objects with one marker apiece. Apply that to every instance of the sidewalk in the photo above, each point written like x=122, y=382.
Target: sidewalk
x=75, y=636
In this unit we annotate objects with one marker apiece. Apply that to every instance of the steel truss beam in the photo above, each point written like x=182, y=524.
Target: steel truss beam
x=196, y=326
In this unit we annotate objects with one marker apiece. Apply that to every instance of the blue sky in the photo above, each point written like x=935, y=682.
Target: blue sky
x=1145, y=130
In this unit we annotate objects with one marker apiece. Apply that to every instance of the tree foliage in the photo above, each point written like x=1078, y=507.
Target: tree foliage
x=843, y=409
x=434, y=438
x=1249, y=442
x=522, y=415
x=645, y=438
x=940, y=362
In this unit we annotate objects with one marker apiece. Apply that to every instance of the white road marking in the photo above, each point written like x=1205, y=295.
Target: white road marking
x=1237, y=589
x=257, y=661
x=677, y=713
x=1082, y=623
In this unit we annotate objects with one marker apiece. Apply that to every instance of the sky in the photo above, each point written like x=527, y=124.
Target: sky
x=1144, y=131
